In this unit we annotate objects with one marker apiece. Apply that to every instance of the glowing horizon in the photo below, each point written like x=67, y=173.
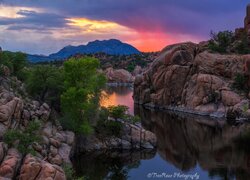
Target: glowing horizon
x=44, y=27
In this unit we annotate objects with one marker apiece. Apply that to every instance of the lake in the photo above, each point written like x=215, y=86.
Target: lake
x=188, y=147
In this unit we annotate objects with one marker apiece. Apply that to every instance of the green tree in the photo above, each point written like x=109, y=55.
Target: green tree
x=14, y=61
x=80, y=100
x=45, y=82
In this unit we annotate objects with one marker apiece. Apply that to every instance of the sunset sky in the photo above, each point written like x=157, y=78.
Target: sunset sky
x=45, y=26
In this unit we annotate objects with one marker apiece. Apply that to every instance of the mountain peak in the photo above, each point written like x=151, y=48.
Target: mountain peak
x=111, y=47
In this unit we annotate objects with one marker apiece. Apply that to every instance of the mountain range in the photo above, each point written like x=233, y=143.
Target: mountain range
x=111, y=47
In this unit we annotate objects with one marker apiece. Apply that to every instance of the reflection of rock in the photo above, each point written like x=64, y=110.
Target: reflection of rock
x=190, y=80
x=185, y=140
x=100, y=164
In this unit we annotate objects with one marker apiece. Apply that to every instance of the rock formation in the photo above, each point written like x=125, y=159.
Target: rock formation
x=118, y=76
x=247, y=21
x=132, y=137
x=190, y=80
x=53, y=150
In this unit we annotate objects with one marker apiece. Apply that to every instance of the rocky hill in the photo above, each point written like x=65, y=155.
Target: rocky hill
x=111, y=47
x=186, y=77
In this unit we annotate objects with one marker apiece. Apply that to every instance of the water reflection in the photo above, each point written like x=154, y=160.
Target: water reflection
x=110, y=164
x=118, y=96
x=189, y=141
x=186, y=144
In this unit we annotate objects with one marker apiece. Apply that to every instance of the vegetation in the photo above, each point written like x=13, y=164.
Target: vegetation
x=240, y=82
x=242, y=46
x=45, y=83
x=221, y=41
x=117, y=111
x=69, y=172
x=14, y=61
x=227, y=42
x=82, y=89
x=106, y=127
x=23, y=140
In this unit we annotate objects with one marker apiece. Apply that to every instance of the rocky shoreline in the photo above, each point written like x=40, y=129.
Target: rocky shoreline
x=186, y=77
x=133, y=137
x=177, y=109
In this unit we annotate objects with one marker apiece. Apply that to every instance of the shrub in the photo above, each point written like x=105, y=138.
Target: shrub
x=242, y=47
x=131, y=119
x=117, y=111
x=131, y=67
x=240, y=82
x=107, y=128
x=221, y=41
x=68, y=170
x=23, y=140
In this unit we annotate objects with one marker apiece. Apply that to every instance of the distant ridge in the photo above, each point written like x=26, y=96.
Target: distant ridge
x=111, y=47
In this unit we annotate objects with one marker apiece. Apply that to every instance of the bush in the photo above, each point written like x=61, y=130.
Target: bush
x=68, y=170
x=117, y=111
x=221, y=41
x=107, y=128
x=23, y=140
x=132, y=119
x=240, y=82
x=242, y=46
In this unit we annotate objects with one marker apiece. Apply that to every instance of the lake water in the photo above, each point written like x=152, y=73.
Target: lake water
x=188, y=148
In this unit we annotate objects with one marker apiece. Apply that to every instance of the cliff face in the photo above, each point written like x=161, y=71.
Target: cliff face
x=16, y=111
x=185, y=77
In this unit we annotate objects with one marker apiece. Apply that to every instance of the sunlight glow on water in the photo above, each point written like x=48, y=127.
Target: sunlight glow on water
x=118, y=96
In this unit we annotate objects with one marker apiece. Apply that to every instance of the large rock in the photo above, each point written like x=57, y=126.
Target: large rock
x=118, y=76
x=35, y=168
x=191, y=80
x=10, y=164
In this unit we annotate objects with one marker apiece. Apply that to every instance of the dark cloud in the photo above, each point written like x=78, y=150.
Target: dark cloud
x=172, y=16
x=34, y=20
x=175, y=17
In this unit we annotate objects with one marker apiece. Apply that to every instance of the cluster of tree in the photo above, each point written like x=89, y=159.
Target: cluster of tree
x=227, y=42
x=14, y=61
x=73, y=90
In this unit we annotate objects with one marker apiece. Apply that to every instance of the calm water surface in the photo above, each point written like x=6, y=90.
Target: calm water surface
x=188, y=147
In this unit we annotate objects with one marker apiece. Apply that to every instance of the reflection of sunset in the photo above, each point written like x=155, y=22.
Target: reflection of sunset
x=115, y=98
x=108, y=100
